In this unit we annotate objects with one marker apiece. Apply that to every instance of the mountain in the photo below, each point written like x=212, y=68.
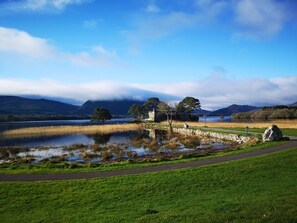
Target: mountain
x=13, y=105
x=201, y=112
x=116, y=107
x=293, y=105
x=234, y=109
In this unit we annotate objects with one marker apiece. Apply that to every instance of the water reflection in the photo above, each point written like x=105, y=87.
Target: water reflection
x=101, y=138
x=106, y=147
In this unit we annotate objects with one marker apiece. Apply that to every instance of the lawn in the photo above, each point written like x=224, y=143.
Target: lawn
x=285, y=131
x=260, y=189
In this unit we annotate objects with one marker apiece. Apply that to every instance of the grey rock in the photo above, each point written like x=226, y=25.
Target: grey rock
x=272, y=133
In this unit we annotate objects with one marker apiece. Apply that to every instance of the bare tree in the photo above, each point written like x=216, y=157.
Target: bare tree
x=168, y=110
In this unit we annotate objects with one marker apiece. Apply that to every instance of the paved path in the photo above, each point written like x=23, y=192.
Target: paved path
x=197, y=163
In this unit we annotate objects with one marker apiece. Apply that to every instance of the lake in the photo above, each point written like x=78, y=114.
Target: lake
x=105, y=147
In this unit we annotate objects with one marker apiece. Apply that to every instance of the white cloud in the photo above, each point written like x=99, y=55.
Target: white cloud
x=213, y=92
x=100, y=90
x=260, y=18
x=244, y=18
x=218, y=91
x=21, y=43
x=39, y=5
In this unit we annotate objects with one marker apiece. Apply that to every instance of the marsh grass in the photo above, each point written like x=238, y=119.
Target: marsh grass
x=67, y=130
x=173, y=144
x=75, y=147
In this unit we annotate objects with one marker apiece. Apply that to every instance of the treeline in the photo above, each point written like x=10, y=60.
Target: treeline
x=11, y=118
x=266, y=113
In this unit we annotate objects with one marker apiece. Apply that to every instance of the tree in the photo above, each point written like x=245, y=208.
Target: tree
x=151, y=103
x=101, y=114
x=168, y=110
x=137, y=111
x=187, y=105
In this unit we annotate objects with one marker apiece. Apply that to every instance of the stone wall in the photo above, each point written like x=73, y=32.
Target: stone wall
x=230, y=137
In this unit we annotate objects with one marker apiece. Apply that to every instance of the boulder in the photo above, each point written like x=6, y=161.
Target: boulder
x=272, y=133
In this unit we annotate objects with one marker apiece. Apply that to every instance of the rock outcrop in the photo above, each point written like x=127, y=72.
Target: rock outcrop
x=272, y=133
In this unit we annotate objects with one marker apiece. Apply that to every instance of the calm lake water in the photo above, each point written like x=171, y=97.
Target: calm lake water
x=104, y=147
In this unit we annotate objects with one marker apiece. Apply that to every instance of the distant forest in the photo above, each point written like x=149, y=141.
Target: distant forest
x=266, y=113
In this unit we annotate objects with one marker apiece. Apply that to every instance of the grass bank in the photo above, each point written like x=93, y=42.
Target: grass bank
x=285, y=124
x=261, y=189
x=66, y=167
x=285, y=131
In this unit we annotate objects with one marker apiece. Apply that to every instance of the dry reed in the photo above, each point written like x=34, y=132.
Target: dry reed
x=66, y=130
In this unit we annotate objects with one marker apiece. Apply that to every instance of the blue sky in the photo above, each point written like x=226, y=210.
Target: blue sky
x=220, y=51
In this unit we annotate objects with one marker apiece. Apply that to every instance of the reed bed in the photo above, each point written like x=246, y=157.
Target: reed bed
x=290, y=124
x=66, y=130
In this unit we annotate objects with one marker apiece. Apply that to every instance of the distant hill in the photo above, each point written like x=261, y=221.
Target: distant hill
x=234, y=109
x=201, y=112
x=293, y=105
x=12, y=105
x=116, y=107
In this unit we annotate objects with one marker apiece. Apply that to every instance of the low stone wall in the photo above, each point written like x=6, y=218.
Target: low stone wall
x=230, y=137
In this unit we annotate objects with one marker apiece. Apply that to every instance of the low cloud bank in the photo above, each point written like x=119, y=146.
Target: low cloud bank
x=214, y=91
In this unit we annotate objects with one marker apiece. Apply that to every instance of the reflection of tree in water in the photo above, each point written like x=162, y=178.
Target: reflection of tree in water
x=137, y=135
x=101, y=138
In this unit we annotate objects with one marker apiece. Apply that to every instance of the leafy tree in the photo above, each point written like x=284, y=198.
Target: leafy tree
x=137, y=111
x=151, y=103
x=187, y=105
x=101, y=114
x=168, y=110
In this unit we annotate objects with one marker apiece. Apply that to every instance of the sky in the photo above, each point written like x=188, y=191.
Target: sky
x=222, y=52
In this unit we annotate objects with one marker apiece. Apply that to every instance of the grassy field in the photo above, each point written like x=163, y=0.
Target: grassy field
x=261, y=189
x=66, y=167
x=286, y=124
x=285, y=131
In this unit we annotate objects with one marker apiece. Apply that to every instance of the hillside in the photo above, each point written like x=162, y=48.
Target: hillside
x=12, y=105
x=234, y=109
x=267, y=113
x=116, y=107
x=293, y=105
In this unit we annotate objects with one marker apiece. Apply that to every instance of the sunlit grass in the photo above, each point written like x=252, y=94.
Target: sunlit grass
x=290, y=124
x=259, y=189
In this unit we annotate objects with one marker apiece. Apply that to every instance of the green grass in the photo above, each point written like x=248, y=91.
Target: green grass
x=287, y=132
x=260, y=189
x=65, y=167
